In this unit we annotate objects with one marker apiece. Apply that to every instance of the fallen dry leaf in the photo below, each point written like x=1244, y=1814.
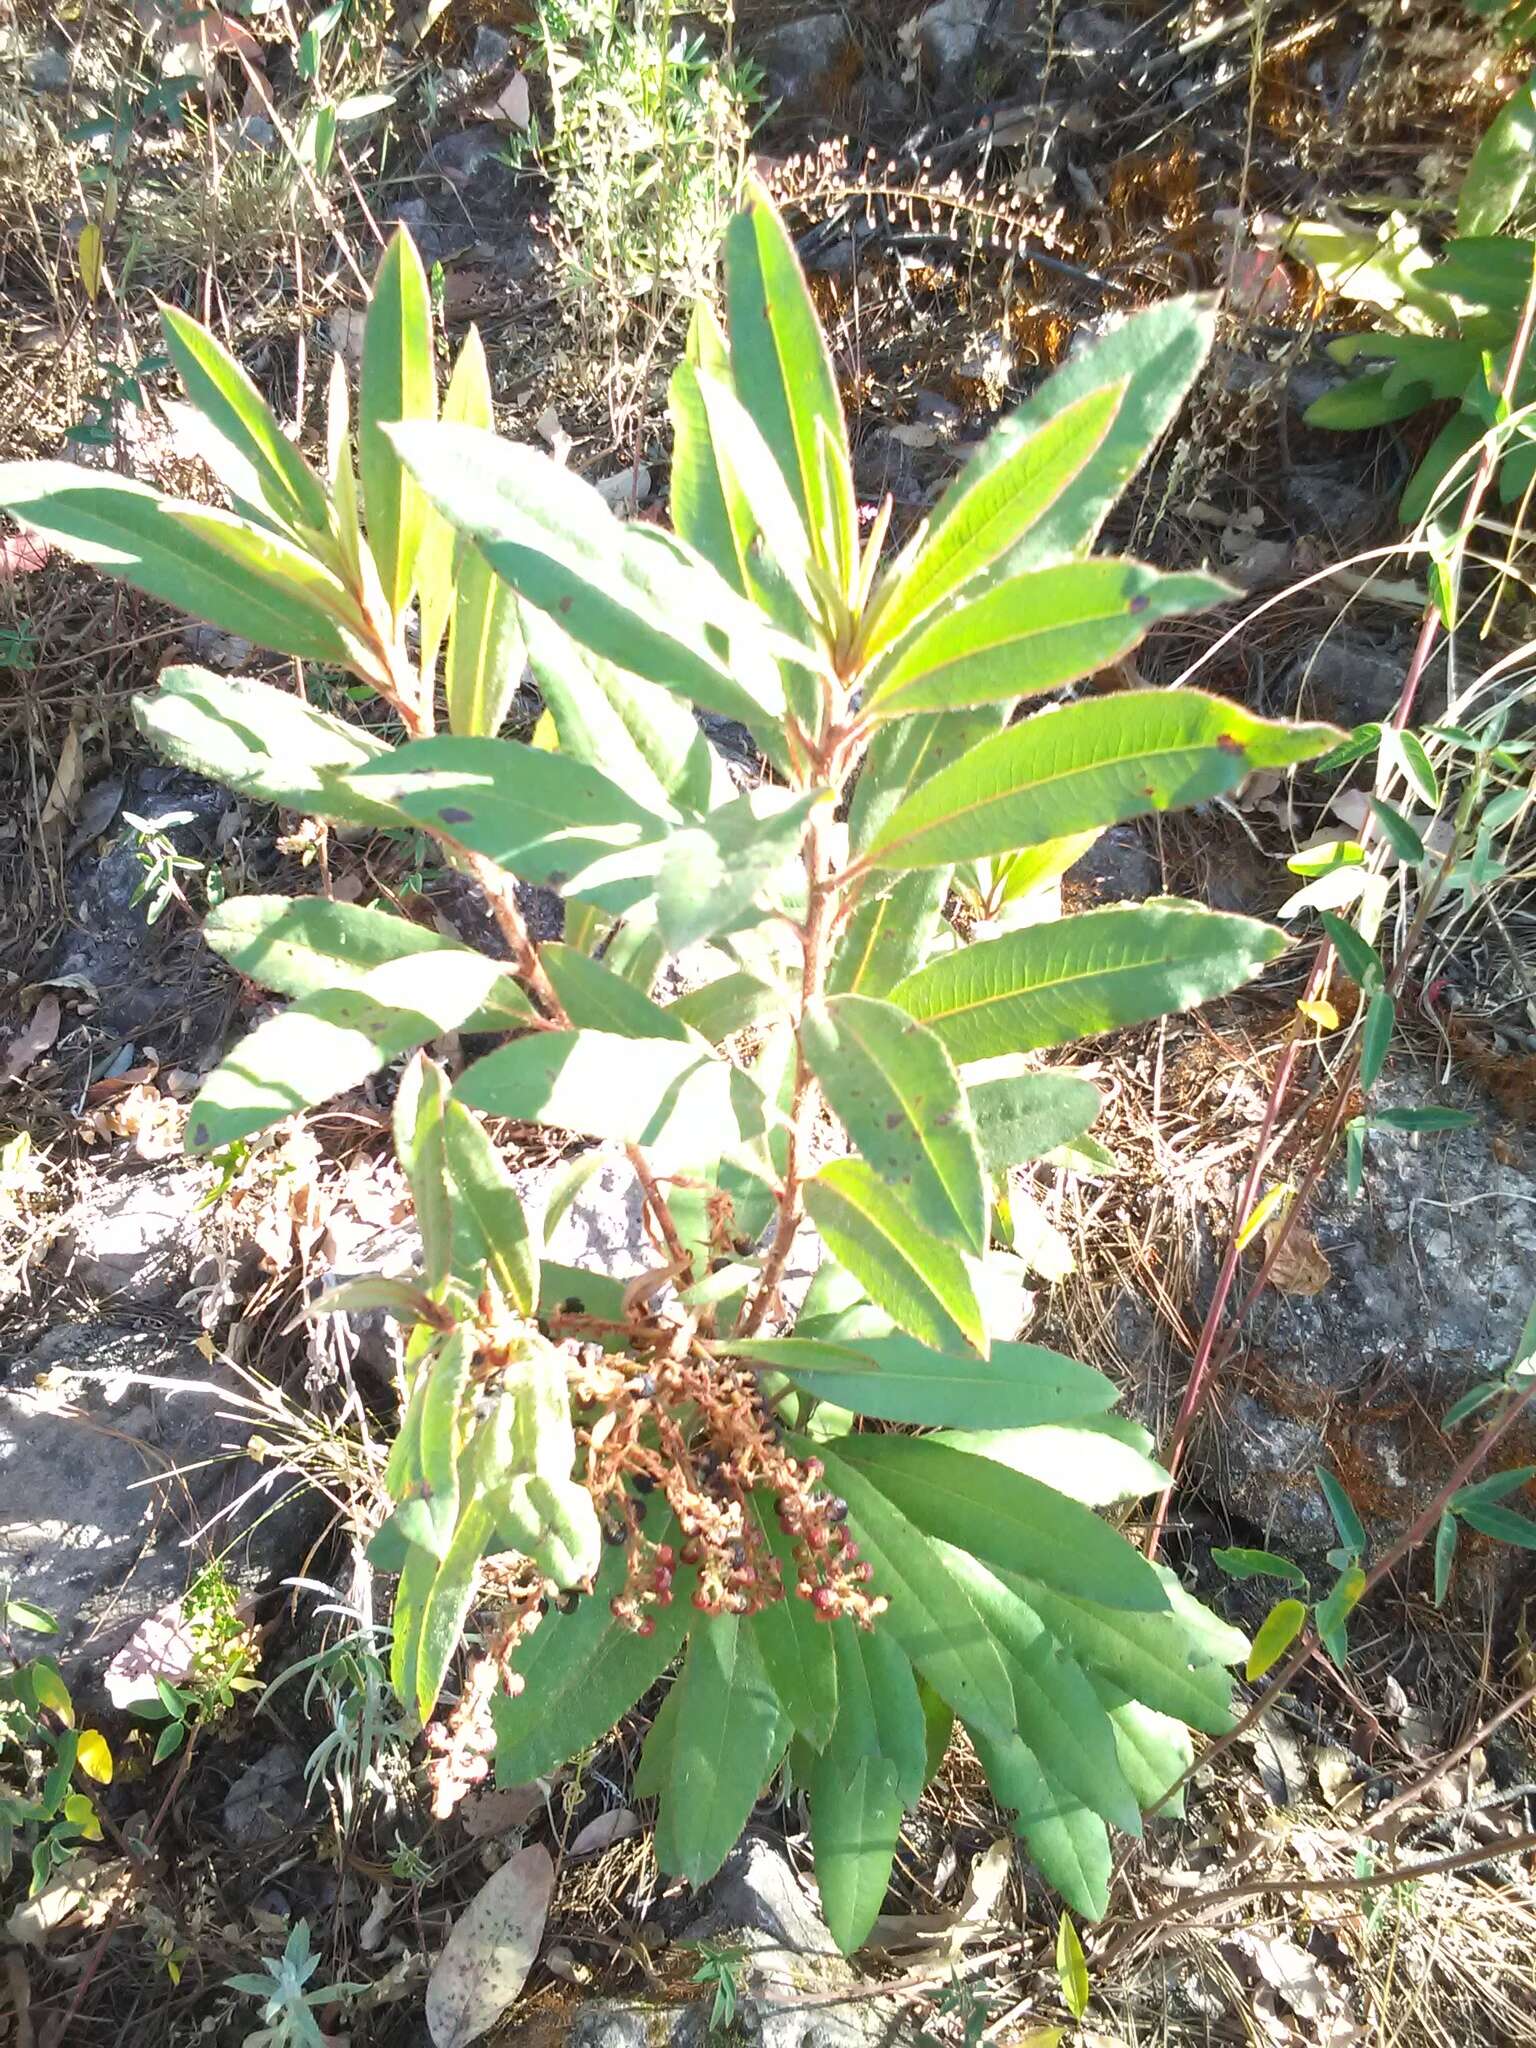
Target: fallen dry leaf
x=82, y=1892
x=604, y=1831
x=489, y=1953
x=485, y=1814
x=33, y=1039
x=19, y=553
x=160, y=1647
x=68, y=781
x=1301, y=1266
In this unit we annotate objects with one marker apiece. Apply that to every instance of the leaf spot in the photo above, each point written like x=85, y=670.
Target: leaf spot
x=453, y=814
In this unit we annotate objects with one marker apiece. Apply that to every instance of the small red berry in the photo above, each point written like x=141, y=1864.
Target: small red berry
x=665, y=1554
x=824, y=1600
x=646, y=1628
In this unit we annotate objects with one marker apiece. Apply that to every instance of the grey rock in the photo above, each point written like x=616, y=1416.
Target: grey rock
x=951, y=47
x=250, y=135
x=1119, y=866
x=1350, y=677
x=134, y=1241
x=459, y=156
x=618, y=2026
x=434, y=242
x=1430, y=1287
x=227, y=651
x=266, y=1801
x=1325, y=503
x=809, y=61
x=1089, y=32
x=51, y=70
x=489, y=50
x=756, y=1893
x=107, y=1474
x=603, y=1230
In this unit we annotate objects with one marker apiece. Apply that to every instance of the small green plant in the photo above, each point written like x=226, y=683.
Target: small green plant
x=644, y=149
x=720, y=1967
x=162, y=865
x=685, y=1460
x=18, y=645
x=43, y=1811
x=1449, y=320
x=288, y=2009
x=222, y=1668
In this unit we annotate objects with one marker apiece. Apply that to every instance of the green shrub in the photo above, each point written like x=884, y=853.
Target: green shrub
x=43, y=1755
x=1448, y=320
x=688, y=1454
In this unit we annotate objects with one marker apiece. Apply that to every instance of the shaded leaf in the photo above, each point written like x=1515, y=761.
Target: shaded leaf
x=397, y=382
x=726, y=1737
x=486, y=1959
x=922, y=1285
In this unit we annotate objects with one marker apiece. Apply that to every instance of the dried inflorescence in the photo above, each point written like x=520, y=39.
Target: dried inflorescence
x=698, y=1432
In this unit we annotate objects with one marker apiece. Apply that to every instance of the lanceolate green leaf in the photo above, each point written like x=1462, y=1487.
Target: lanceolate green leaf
x=241, y=577
x=447, y=1605
x=597, y=999
x=417, y=1123
x=921, y=1284
x=719, y=1009
x=300, y=945
x=397, y=383
x=1006, y=1519
x=581, y=1671
x=467, y=402
x=486, y=1189
x=771, y=545
x=879, y=1712
x=546, y=818
x=677, y=1100
x=896, y=1379
x=1051, y=983
x=1500, y=173
x=785, y=377
x=698, y=504
x=1040, y=629
x=895, y=1090
x=1156, y=356
x=931, y=1615
x=1059, y=1713
x=1097, y=1462
x=989, y=510
x=1023, y=1117
x=263, y=742
x=230, y=402
x=1154, y=1750
x=637, y=734
x=629, y=594
x=1085, y=766
x=1155, y=1657
x=856, y=1814
x=485, y=650
x=1067, y=1840
x=333, y=1040
x=724, y=1743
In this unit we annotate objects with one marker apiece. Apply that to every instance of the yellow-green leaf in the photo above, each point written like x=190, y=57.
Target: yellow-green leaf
x=1281, y=1626
x=397, y=383
x=94, y=1757
x=921, y=1283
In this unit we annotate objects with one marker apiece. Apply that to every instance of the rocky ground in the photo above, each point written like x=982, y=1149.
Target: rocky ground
x=154, y=1377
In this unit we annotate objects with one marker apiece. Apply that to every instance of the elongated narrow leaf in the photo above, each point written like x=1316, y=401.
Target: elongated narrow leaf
x=1006, y=1519
x=417, y=1124
x=417, y=1577
x=719, y=1009
x=629, y=594
x=583, y=1670
x=1503, y=165
x=921, y=1284
x=485, y=1187
x=1281, y=1626
x=1155, y=356
x=767, y=532
x=1155, y=1751
x=485, y=650
x=333, y=1040
x=1068, y=1841
x=241, y=577
x=1035, y=632
x=931, y=1615
x=447, y=1605
x=1156, y=1658
x=892, y=926
x=856, y=1814
x=397, y=383
x=1022, y=1118
x=1060, y=1715
x=677, y=1100
x=895, y=1089
x=229, y=401
x=724, y=1743
x=263, y=742
x=895, y=1379
x=988, y=511
x=300, y=945
x=712, y=873
x=1051, y=983
x=1084, y=767
x=467, y=402
x=597, y=999
x=636, y=733
x=698, y=504
x=794, y=1642
x=879, y=1711
x=785, y=378
x=1097, y=1463
x=546, y=818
